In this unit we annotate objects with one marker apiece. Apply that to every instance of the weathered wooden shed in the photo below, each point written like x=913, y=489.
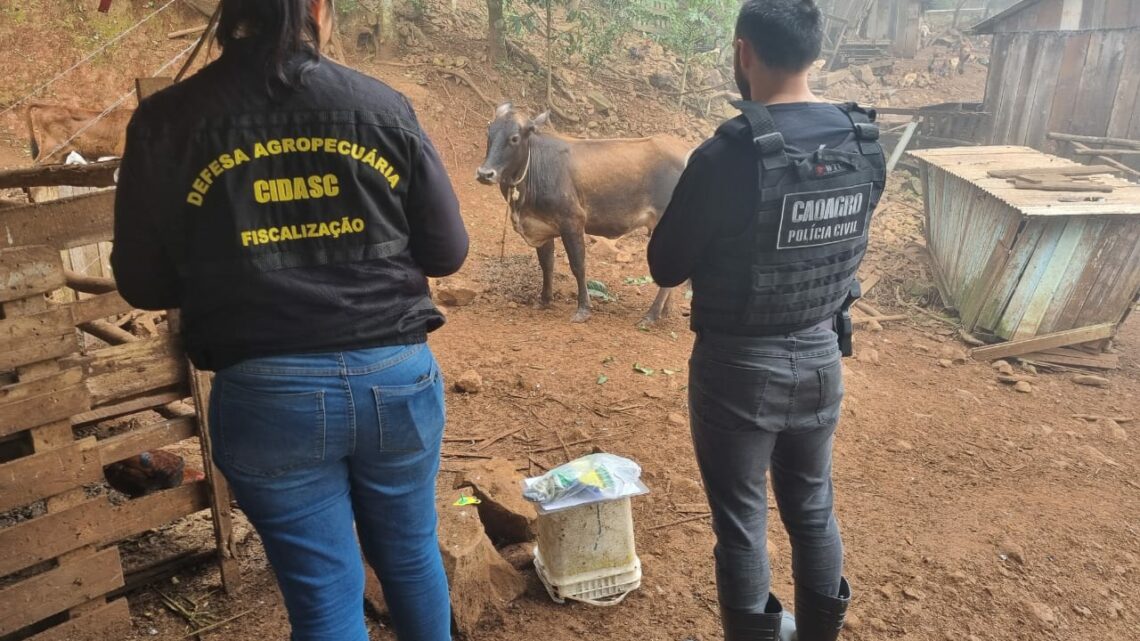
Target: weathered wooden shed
x=1068, y=66
x=1024, y=263
x=891, y=25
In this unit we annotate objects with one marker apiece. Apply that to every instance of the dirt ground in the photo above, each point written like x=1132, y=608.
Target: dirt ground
x=969, y=511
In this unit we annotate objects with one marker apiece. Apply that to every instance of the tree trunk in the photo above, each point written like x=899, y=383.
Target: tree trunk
x=684, y=80
x=387, y=23
x=496, y=31
x=958, y=12
x=549, y=56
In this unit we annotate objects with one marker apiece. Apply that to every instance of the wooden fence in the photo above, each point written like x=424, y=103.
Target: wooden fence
x=58, y=556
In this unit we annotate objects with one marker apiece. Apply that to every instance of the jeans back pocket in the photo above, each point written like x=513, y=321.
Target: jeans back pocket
x=267, y=434
x=830, y=393
x=411, y=416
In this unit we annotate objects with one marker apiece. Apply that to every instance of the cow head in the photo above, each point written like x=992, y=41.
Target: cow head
x=508, y=144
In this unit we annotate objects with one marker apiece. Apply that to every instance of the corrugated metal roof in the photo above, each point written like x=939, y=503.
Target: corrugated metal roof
x=987, y=25
x=974, y=164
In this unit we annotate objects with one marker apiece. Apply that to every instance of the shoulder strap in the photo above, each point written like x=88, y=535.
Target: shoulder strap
x=866, y=131
x=768, y=141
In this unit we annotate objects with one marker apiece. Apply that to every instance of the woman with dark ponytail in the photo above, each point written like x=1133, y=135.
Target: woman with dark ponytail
x=292, y=209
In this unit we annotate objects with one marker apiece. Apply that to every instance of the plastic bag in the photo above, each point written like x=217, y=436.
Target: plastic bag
x=597, y=477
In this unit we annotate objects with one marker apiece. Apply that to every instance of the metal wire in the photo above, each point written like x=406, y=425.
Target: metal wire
x=87, y=58
x=91, y=123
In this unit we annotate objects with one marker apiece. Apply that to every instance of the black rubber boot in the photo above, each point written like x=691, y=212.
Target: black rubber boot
x=741, y=626
x=818, y=617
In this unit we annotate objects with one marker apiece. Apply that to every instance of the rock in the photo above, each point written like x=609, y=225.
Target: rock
x=945, y=362
x=1082, y=610
x=1029, y=368
x=959, y=577
x=662, y=81
x=1096, y=457
x=1024, y=387
x=900, y=446
x=887, y=590
x=1115, y=609
x=853, y=622
x=1041, y=612
x=469, y=383
x=1003, y=367
x=914, y=594
x=677, y=419
x=519, y=555
x=1013, y=379
x=600, y=102
x=623, y=257
x=878, y=625
x=507, y=517
x=868, y=356
x=1113, y=431
x=1088, y=380
x=480, y=579
x=865, y=74
x=593, y=124
x=954, y=354
x=456, y=297
x=461, y=62
x=1009, y=549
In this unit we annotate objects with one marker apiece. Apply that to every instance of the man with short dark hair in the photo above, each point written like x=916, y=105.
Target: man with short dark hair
x=770, y=222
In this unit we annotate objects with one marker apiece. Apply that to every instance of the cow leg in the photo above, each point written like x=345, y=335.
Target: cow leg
x=661, y=307
x=546, y=261
x=575, y=243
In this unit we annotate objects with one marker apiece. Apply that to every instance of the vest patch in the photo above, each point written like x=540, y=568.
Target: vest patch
x=816, y=218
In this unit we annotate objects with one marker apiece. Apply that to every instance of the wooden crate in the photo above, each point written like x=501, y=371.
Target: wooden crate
x=60, y=562
x=1019, y=264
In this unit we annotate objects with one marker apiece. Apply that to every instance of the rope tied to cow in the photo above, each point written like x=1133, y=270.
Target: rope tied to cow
x=514, y=196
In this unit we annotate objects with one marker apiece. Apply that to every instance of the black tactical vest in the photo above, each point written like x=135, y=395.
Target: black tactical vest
x=795, y=267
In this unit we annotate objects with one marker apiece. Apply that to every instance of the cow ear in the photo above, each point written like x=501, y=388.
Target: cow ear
x=541, y=120
x=503, y=109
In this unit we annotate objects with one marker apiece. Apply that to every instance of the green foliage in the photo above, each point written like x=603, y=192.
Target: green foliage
x=697, y=26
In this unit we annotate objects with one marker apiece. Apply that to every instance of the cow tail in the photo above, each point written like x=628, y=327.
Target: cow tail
x=32, y=134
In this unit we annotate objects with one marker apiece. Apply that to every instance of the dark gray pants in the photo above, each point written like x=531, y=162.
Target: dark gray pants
x=760, y=404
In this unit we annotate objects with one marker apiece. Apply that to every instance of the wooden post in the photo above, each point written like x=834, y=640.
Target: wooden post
x=200, y=384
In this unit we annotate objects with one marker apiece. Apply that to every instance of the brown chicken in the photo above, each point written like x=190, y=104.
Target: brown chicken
x=149, y=472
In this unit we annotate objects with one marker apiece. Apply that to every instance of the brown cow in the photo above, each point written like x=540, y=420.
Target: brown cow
x=566, y=187
x=57, y=130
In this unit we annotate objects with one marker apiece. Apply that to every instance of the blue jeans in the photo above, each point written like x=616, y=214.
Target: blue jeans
x=321, y=448
x=759, y=405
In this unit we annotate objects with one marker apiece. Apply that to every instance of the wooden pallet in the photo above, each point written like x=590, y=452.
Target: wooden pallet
x=59, y=567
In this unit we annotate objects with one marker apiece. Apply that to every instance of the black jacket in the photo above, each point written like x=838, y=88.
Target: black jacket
x=283, y=222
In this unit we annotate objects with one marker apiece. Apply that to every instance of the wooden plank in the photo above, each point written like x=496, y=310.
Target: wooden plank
x=96, y=174
x=1127, y=93
x=19, y=331
x=1006, y=283
x=48, y=473
x=154, y=511
x=31, y=389
x=1033, y=172
x=109, y=621
x=29, y=271
x=56, y=405
x=1117, y=282
x=202, y=385
x=1099, y=80
x=94, y=522
x=143, y=439
x=994, y=85
x=42, y=349
x=47, y=537
x=1071, y=287
x=1005, y=113
x=99, y=307
x=57, y=590
x=1071, y=186
x=132, y=406
x=1068, y=82
x=1075, y=358
x=135, y=369
x=63, y=223
x=1047, y=288
x=1045, y=341
x=1036, y=121
x=976, y=296
x=1028, y=279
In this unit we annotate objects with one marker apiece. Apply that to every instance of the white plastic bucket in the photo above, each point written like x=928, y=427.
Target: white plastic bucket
x=587, y=553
